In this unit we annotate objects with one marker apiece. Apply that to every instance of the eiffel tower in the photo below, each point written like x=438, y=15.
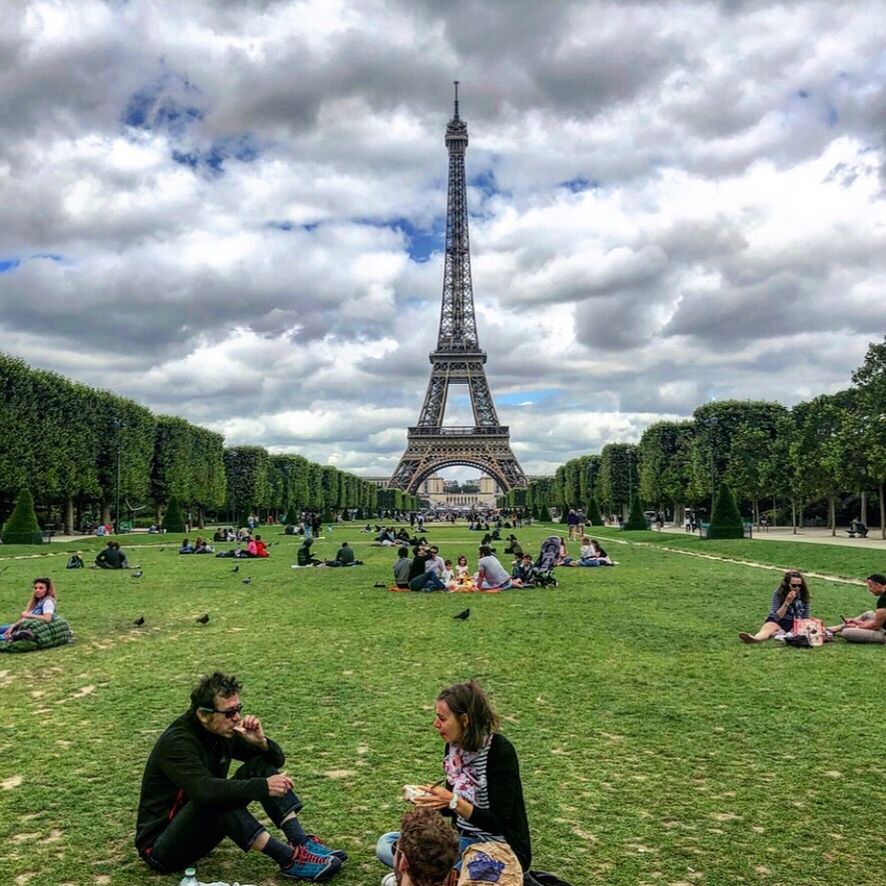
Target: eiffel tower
x=458, y=360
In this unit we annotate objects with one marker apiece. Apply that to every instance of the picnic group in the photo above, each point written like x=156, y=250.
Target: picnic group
x=468, y=828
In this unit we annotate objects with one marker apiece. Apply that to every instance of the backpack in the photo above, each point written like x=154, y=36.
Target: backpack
x=75, y=562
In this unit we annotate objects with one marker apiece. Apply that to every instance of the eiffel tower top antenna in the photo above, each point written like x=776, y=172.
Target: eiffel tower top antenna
x=455, y=116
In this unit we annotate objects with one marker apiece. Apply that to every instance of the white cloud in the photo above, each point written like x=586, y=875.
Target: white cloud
x=212, y=210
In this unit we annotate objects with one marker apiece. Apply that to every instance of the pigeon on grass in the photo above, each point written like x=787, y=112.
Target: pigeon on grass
x=139, y=621
x=464, y=615
x=204, y=619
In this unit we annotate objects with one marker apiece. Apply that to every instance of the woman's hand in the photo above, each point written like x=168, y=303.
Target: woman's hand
x=791, y=595
x=438, y=797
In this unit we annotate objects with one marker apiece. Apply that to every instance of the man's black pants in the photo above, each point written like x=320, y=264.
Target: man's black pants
x=196, y=830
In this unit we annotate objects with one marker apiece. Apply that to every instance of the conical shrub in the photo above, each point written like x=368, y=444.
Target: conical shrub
x=173, y=521
x=22, y=527
x=636, y=518
x=544, y=515
x=595, y=518
x=726, y=520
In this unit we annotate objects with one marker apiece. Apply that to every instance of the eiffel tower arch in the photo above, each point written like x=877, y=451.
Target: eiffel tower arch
x=458, y=359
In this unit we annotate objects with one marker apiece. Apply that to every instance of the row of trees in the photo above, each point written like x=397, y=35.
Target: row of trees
x=822, y=450
x=82, y=451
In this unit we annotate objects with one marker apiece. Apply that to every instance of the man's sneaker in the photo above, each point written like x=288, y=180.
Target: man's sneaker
x=314, y=844
x=308, y=866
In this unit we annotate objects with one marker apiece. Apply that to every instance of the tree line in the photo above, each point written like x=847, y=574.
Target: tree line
x=819, y=453
x=79, y=450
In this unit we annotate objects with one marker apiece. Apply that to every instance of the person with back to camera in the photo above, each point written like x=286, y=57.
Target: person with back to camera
x=491, y=575
x=41, y=607
x=870, y=626
x=401, y=569
x=790, y=600
x=188, y=805
x=112, y=557
x=483, y=792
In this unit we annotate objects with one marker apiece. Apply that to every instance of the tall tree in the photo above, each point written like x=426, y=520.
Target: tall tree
x=870, y=382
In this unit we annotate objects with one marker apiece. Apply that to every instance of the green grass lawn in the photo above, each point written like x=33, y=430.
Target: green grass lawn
x=655, y=748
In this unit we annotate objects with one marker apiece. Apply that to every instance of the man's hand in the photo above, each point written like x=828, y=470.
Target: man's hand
x=279, y=784
x=249, y=728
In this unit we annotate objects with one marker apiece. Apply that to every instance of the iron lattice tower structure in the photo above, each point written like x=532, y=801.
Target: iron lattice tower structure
x=458, y=359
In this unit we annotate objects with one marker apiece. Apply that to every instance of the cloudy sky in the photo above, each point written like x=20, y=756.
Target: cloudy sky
x=233, y=211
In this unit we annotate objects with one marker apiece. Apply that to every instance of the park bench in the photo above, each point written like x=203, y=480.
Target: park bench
x=857, y=533
x=47, y=535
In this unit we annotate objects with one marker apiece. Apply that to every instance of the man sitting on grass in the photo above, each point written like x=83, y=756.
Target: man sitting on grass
x=870, y=626
x=344, y=557
x=401, y=568
x=303, y=554
x=188, y=805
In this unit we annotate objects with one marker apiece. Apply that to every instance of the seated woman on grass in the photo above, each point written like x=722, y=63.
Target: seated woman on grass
x=790, y=600
x=483, y=792
x=41, y=607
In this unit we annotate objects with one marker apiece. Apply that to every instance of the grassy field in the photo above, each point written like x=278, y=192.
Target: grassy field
x=655, y=748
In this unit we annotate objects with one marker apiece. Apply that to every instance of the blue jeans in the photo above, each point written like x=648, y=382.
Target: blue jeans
x=427, y=581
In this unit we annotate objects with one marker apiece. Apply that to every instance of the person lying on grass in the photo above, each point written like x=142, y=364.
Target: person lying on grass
x=483, y=793
x=870, y=626
x=188, y=805
x=41, y=607
x=790, y=600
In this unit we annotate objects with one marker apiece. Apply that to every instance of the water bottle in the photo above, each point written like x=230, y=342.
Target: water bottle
x=190, y=878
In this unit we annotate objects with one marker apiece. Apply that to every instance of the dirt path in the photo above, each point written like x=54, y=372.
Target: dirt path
x=722, y=559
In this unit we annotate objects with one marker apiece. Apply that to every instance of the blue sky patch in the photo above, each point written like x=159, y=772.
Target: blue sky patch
x=580, y=183
x=516, y=398
x=9, y=264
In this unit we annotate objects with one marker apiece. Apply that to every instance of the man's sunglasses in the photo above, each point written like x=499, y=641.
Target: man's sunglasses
x=228, y=713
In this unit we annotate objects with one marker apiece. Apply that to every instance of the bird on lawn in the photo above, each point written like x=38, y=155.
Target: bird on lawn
x=203, y=619
x=137, y=574
x=139, y=621
x=464, y=615
x=247, y=580
x=236, y=569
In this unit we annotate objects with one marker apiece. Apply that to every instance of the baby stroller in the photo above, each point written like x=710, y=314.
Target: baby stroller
x=543, y=570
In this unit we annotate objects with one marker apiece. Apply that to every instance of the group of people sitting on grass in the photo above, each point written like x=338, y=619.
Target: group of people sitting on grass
x=344, y=556
x=255, y=549
x=467, y=829
x=200, y=546
x=791, y=603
